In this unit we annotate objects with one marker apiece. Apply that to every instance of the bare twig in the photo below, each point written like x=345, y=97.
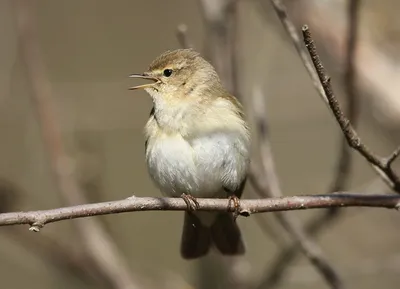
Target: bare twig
x=383, y=166
x=37, y=219
x=98, y=244
x=267, y=185
x=343, y=169
x=377, y=69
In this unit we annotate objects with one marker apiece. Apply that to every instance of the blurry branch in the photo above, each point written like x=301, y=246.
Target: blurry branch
x=59, y=255
x=9, y=196
x=220, y=20
x=281, y=262
x=267, y=185
x=98, y=245
x=270, y=230
x=290, y=28
x=383, y=166
x=380, y=84
x=182, y=36
x=344, y=166
x=343, y=169
x=62, y=257
x=37, y=219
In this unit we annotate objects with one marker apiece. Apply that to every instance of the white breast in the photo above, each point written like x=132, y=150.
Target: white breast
x=200, y=167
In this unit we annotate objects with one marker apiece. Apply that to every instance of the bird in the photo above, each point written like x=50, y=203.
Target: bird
x=197, y=145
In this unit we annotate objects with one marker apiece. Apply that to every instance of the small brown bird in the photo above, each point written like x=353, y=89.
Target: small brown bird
x=197, y=145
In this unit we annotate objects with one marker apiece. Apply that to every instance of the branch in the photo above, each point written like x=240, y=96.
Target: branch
x=97, y=244
x=377, y=68
x=267, y=185
x=383, y=166
x=344, y=165
x=37, y=219
x=58, y=254
x=343, y=169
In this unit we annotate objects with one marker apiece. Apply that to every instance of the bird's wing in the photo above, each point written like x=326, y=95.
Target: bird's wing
x=147, y=139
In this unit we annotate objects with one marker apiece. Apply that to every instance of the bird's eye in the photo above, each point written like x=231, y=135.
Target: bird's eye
x=167, y=72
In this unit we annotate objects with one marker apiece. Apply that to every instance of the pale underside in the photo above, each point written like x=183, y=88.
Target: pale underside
x=197, y=147
x=202, y=166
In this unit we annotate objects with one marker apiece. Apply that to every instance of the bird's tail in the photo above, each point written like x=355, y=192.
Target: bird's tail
x=197, y=238
x=226, y=235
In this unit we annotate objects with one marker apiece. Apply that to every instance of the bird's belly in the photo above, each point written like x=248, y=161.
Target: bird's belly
x=201, y=167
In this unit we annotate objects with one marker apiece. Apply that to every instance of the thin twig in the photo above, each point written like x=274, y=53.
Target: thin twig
x=383, y=166
x=376, y=68
x=343, y=169
x=37, y=219
x=98, y=245
x=267, y=185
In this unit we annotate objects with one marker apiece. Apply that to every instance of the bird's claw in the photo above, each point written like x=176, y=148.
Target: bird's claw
x=236, y=206
x=191, y=202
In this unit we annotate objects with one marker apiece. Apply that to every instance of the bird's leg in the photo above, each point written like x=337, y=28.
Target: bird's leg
x=236, y=205
x=191, y=202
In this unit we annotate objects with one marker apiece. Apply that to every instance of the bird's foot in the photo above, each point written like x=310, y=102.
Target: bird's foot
x=191, y=202
x=236, y=206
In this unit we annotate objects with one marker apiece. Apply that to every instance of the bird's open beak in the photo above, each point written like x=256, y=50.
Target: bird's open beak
x=143, y=76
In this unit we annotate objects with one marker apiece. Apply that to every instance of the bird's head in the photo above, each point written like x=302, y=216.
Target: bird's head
x=181, y=75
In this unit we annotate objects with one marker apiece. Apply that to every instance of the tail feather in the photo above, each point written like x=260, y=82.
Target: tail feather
x=226, y=235
x=196, y=238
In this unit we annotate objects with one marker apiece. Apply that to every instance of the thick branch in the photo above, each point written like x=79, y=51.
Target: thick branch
x=38, y=219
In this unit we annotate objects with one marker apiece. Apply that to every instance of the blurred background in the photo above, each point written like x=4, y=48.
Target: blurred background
x=82, y=53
